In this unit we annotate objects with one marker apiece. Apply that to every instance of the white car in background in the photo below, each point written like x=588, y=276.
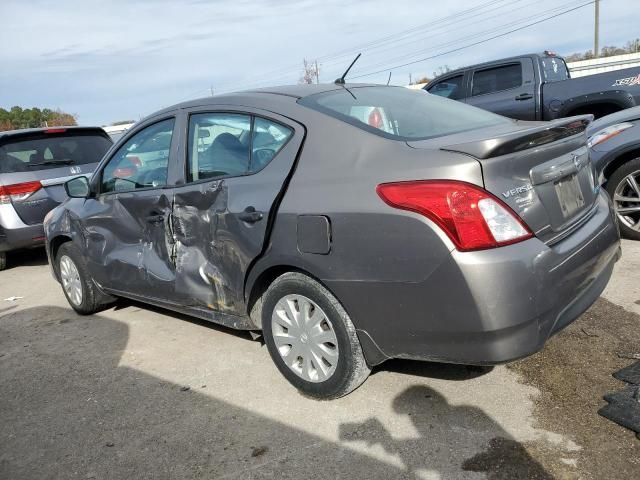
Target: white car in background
x=116, y=131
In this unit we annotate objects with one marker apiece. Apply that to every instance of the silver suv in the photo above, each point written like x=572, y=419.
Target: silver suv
x=34, y=164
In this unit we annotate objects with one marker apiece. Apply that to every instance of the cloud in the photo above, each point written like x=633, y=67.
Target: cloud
x=126, y=58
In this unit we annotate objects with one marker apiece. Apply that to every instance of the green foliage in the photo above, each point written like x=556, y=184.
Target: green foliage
x=17, y=117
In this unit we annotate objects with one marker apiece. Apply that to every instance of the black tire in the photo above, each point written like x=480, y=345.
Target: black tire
x=93, y=300
x=351, y=369
x=619, y=176
x=3, y=260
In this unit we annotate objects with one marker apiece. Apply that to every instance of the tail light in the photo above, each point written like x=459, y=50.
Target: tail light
x=18, y=191
x=135, y=161
x=471, y=217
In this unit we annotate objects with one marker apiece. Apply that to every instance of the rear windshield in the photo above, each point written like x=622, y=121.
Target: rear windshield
x=42, y=151
x=554, y=69
x=401, y=113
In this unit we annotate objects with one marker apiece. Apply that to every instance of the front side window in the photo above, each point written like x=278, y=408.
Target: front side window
x=449, y=88
x=497, y=79
x=142, y=162
x=231, y=144
x=400, y=113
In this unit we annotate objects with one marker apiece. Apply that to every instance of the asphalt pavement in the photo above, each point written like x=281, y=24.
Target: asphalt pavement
x=138, y=392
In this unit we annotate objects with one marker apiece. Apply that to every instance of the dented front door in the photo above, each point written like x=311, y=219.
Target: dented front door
x=221, y=224
x=128, y=222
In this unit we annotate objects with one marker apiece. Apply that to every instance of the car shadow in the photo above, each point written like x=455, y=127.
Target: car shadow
x=70, y=408
x=134, y=305
x=33, y=257
x=443, y=371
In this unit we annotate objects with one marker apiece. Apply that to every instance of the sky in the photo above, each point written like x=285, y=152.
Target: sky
x=109, y=61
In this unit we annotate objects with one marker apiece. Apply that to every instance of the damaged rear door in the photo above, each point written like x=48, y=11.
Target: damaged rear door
x=237, y=165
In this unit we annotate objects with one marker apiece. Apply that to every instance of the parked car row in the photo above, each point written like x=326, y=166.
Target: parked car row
x=34, y=165
x=349, y=224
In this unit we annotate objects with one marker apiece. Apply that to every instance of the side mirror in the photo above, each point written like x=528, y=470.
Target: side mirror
x=78, y=188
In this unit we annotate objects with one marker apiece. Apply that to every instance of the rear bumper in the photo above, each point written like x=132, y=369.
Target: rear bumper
x=15, y=234
x=491, y=306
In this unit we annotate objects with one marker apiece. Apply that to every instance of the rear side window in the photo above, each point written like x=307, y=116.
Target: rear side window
x=554, y=69
x=497, y=79
x=400, y=113
x=231, y=144
x=449, y=88
x=43, y=151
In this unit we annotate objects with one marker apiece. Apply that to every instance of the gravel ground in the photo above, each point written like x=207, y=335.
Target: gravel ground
x=137, y=392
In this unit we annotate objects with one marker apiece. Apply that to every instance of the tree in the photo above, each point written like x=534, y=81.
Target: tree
x=424, y=79
x=632, y=46
x=310, y=72
x=442, y=69
x=17, y=117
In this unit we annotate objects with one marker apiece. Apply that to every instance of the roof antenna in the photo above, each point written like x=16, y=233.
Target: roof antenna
x=389, y=79
x=340, y=81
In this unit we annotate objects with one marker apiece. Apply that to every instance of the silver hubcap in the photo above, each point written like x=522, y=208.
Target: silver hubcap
x=626, y=200
x=71, y=280
x=305, y=338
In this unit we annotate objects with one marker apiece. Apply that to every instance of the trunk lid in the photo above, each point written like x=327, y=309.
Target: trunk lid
x=542, y=170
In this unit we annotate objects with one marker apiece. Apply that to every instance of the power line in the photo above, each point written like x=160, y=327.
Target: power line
x=478, y=34
x=449, y=20
x=267, y=79
x=475, y=43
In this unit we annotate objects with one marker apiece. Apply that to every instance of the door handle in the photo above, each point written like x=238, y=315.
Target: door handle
x=524, y=96
x=155, y=218
x=250, y=215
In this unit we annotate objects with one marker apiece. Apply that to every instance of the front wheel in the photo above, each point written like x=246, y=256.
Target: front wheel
x=3, y=260
x=77, y=284
x=624, y=188
x=311, y=339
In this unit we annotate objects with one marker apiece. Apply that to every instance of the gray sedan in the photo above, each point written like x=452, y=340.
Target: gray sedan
x=348, y=224
x=615, y=150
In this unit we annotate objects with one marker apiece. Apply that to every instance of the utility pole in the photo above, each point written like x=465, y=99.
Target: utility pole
x=211, y=90
x=317, y=73
x=596, y=39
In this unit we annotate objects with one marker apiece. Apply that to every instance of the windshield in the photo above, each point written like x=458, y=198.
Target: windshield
x=42, y=151
x=554, y=69
x=401, y=113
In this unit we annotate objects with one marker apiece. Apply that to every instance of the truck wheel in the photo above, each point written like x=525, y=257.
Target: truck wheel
x=311, y=339
x=77, y=284
x=3, y=260
x=624, y=188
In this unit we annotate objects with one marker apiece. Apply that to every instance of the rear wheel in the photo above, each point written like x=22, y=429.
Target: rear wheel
x=77, y=284
x=624, y=188
x=311, y=339
x=3, y=260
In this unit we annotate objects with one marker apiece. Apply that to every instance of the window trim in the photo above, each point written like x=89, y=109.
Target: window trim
x=493, y=67
x=129, y=135
x=252, y=117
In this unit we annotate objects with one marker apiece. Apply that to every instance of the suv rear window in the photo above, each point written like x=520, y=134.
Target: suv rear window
x=41, y=151
x=400, y=113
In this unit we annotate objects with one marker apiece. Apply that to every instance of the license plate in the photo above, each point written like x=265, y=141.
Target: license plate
x=569, y=195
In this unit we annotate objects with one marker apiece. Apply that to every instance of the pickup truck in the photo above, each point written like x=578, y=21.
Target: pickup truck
x=539, y=87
